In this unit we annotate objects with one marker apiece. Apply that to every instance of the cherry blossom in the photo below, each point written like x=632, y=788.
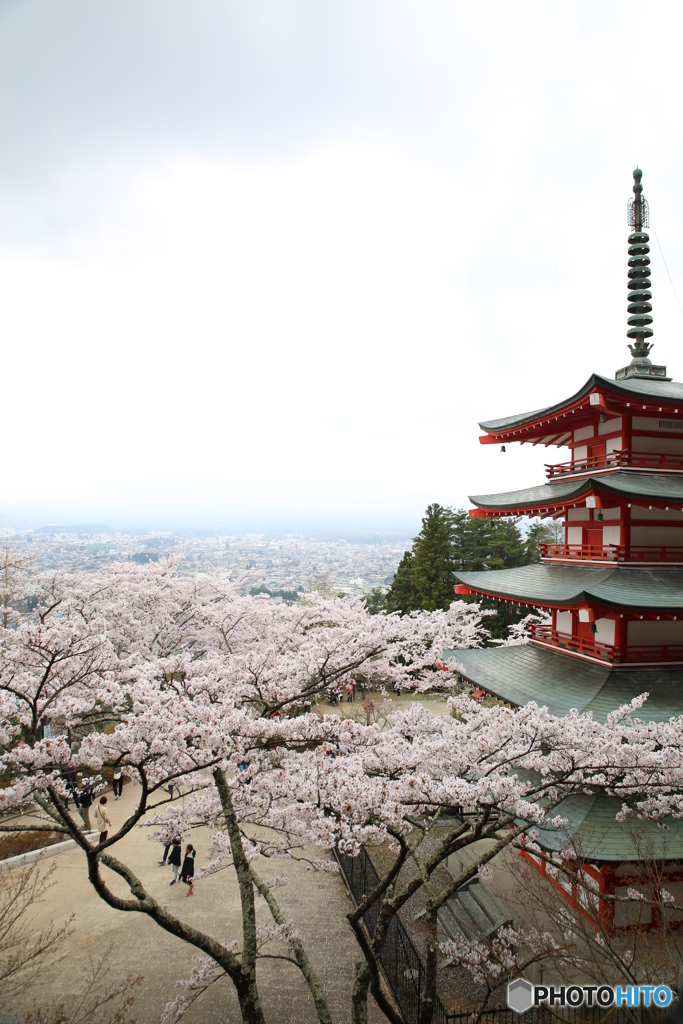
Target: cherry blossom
x=184, y=682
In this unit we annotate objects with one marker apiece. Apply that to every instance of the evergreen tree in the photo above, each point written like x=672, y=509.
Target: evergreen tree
x=449, y=542
x=425, y=576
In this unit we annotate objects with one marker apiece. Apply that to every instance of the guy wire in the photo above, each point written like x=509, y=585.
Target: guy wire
x=665, y=266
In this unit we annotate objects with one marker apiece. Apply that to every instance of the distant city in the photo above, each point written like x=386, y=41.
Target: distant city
x=279, y=565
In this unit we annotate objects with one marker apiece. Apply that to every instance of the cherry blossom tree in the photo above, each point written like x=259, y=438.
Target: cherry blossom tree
x=182, y=680
x=197, y=681
x=436, y=786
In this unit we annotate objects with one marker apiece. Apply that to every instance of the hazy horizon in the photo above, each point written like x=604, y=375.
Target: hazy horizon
x=351, y=529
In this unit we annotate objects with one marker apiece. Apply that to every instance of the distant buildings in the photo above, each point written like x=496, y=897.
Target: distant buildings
x=279, y=563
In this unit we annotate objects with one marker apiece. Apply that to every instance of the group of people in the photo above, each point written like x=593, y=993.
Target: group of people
x=173, y=858
x=83, y=797
x=337, y=693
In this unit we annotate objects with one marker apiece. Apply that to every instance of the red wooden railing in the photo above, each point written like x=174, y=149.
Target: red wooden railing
x=594, y=649
x=617, y=460
x=611, y=553
x=584, y=552
x=576, y=644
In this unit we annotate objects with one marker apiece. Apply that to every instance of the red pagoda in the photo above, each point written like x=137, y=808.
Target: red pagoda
x=614, y=586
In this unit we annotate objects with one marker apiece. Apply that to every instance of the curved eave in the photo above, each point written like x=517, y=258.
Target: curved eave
x=547, y=585
x=518, y=675
x=525, y=673
x=581, y=599
x=546, y=425
x=591, y=823
x=654, y=489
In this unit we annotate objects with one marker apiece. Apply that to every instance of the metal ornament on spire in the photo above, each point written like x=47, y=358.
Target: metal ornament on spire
x=639, y=284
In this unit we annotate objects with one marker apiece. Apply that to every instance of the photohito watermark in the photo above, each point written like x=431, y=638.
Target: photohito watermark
x=523, y=996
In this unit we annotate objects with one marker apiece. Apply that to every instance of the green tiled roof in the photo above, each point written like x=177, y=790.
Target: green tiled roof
x=616, y=586
x=622, y=484
x=651, y=388
x=597, y=835
x=560, y=682
x=525, y=673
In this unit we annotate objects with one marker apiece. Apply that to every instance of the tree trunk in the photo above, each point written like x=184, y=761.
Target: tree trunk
x=244, y=876
x=243, y=980
x=250, y=1003
x=359, y=996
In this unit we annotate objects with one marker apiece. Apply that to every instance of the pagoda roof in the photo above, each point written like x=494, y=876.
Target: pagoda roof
x=550, y=584
x=598, y=836
x=558, y=681
x=621, y=392
x=650, y=488
x=525, y=673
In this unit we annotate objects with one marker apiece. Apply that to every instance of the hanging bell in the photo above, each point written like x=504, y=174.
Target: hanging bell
x=502, y=447
x=594, y=628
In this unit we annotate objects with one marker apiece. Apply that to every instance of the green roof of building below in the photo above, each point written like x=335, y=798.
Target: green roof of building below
x=527, y=673
x=593, y=831
x=651, y=387
x=622, y=484
x=548, y=583
x=559, y=682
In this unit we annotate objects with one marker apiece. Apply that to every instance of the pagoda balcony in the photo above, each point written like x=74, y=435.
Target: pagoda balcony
x=642, y=461
x=610, y=553
x=595, y=651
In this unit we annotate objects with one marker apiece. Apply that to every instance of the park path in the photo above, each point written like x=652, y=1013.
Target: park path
x=316, y=903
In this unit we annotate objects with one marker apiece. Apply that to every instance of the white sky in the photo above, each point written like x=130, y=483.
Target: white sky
x=271, y=262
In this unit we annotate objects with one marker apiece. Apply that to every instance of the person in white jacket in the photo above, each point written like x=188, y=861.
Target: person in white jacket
x=102, y=819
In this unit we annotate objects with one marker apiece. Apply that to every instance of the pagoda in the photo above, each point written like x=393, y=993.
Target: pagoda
x=613, y=586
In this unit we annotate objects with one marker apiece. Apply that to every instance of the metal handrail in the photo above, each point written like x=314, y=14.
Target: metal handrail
x=401, y=963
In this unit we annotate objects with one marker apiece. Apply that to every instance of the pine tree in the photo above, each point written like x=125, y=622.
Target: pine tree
x=449, y=542
x=425, y=576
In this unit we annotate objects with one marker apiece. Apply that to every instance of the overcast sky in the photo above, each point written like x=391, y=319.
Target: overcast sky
x=271, y=262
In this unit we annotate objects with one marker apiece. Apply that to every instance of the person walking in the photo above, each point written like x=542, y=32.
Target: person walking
x=102, y=819
x=71, y=790
x=174, y=859
x=117, y=783
x=188, y=868
x=84, y=809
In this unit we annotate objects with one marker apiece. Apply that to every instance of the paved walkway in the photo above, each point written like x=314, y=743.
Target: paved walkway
x=316, y=903
x=383, y=706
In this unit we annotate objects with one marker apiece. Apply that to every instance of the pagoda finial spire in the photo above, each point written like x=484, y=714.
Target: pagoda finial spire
x=639, y=296
x=639, y=284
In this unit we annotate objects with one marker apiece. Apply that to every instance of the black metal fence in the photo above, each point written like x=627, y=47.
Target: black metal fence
x=405, y=972
x=401, y=962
